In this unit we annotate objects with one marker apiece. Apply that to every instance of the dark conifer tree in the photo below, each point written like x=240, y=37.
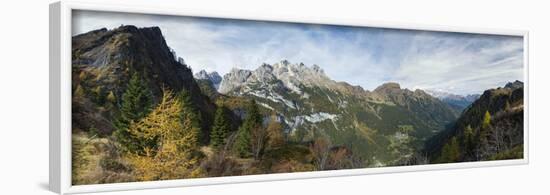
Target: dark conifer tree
x=220, y=129
x=450, y=152
x=136, y=103
x=190, y=112
x=252, y=120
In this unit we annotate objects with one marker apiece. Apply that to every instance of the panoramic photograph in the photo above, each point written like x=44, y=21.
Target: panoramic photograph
x=160, y=97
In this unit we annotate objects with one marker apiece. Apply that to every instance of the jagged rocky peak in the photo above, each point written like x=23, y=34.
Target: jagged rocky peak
x=109, y=58
x=514, y=85
x=201, y=75
x=264, y=69
x=317, y=69
x=213, y=77
x=126, y=49
x=238, y=74
x=285, y=62
x=291, y=76
x=284, y=66
x=233, y=79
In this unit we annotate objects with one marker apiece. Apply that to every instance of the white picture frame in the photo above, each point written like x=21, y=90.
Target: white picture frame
x=60, y=99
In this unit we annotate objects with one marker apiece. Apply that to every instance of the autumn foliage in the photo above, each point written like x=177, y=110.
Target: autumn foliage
x=175, y=141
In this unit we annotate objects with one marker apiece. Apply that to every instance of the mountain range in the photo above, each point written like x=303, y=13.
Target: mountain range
x=457, y=102
x=386, y=126
x=310, y=104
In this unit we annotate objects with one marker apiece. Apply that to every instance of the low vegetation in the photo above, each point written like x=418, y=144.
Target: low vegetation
x=138, y=114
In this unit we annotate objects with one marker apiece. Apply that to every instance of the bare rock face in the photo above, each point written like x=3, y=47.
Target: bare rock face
x=234, y=79
x=291, y=76
x=388, y=88
x=103, y=61
x=117, y=53
x=514, y=85
x=213, y=77
x=201, y=75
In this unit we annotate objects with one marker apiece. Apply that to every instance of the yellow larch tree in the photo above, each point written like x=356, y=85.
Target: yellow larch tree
x=172, y=156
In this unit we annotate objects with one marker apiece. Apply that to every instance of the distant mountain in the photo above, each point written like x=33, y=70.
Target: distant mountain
x=311, y=104
x=214, y=78
x=501, y=137
x=103, y=61
x=388, y=126
x=457, y=102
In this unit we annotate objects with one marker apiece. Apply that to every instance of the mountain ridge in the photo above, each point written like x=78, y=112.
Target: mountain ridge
x=457, y=102
x=276, y=118
x=103, y=60
x=501, y=111
x=311, y=104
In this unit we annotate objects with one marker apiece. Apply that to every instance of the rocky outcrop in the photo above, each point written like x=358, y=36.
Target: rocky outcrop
x=213, y=77
x=291, y=76
x=103, y=61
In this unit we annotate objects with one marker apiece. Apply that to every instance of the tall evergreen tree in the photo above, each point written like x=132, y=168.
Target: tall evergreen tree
x=190, y=111
x=220, y=129
x=469, y=142
x=136, y=103
x=242, y=144
x=252, y=121
x=450, y=152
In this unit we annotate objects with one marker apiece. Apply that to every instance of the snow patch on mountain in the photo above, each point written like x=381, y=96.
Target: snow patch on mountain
x=273, y=97
x=342, y=104
x=442, y=95
x=286, y=84
x=292, y=76
x=329, y=99
x=265, y=105
x=319, y=117
x=297, y=121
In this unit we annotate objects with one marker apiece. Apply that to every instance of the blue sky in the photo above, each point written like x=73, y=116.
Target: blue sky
x=452, y=62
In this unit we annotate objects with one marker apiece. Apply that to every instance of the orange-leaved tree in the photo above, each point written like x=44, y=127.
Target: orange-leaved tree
x=176, y=143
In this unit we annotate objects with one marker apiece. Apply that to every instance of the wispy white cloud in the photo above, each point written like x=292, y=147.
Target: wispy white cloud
x=461, y=63
x=452, y=62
